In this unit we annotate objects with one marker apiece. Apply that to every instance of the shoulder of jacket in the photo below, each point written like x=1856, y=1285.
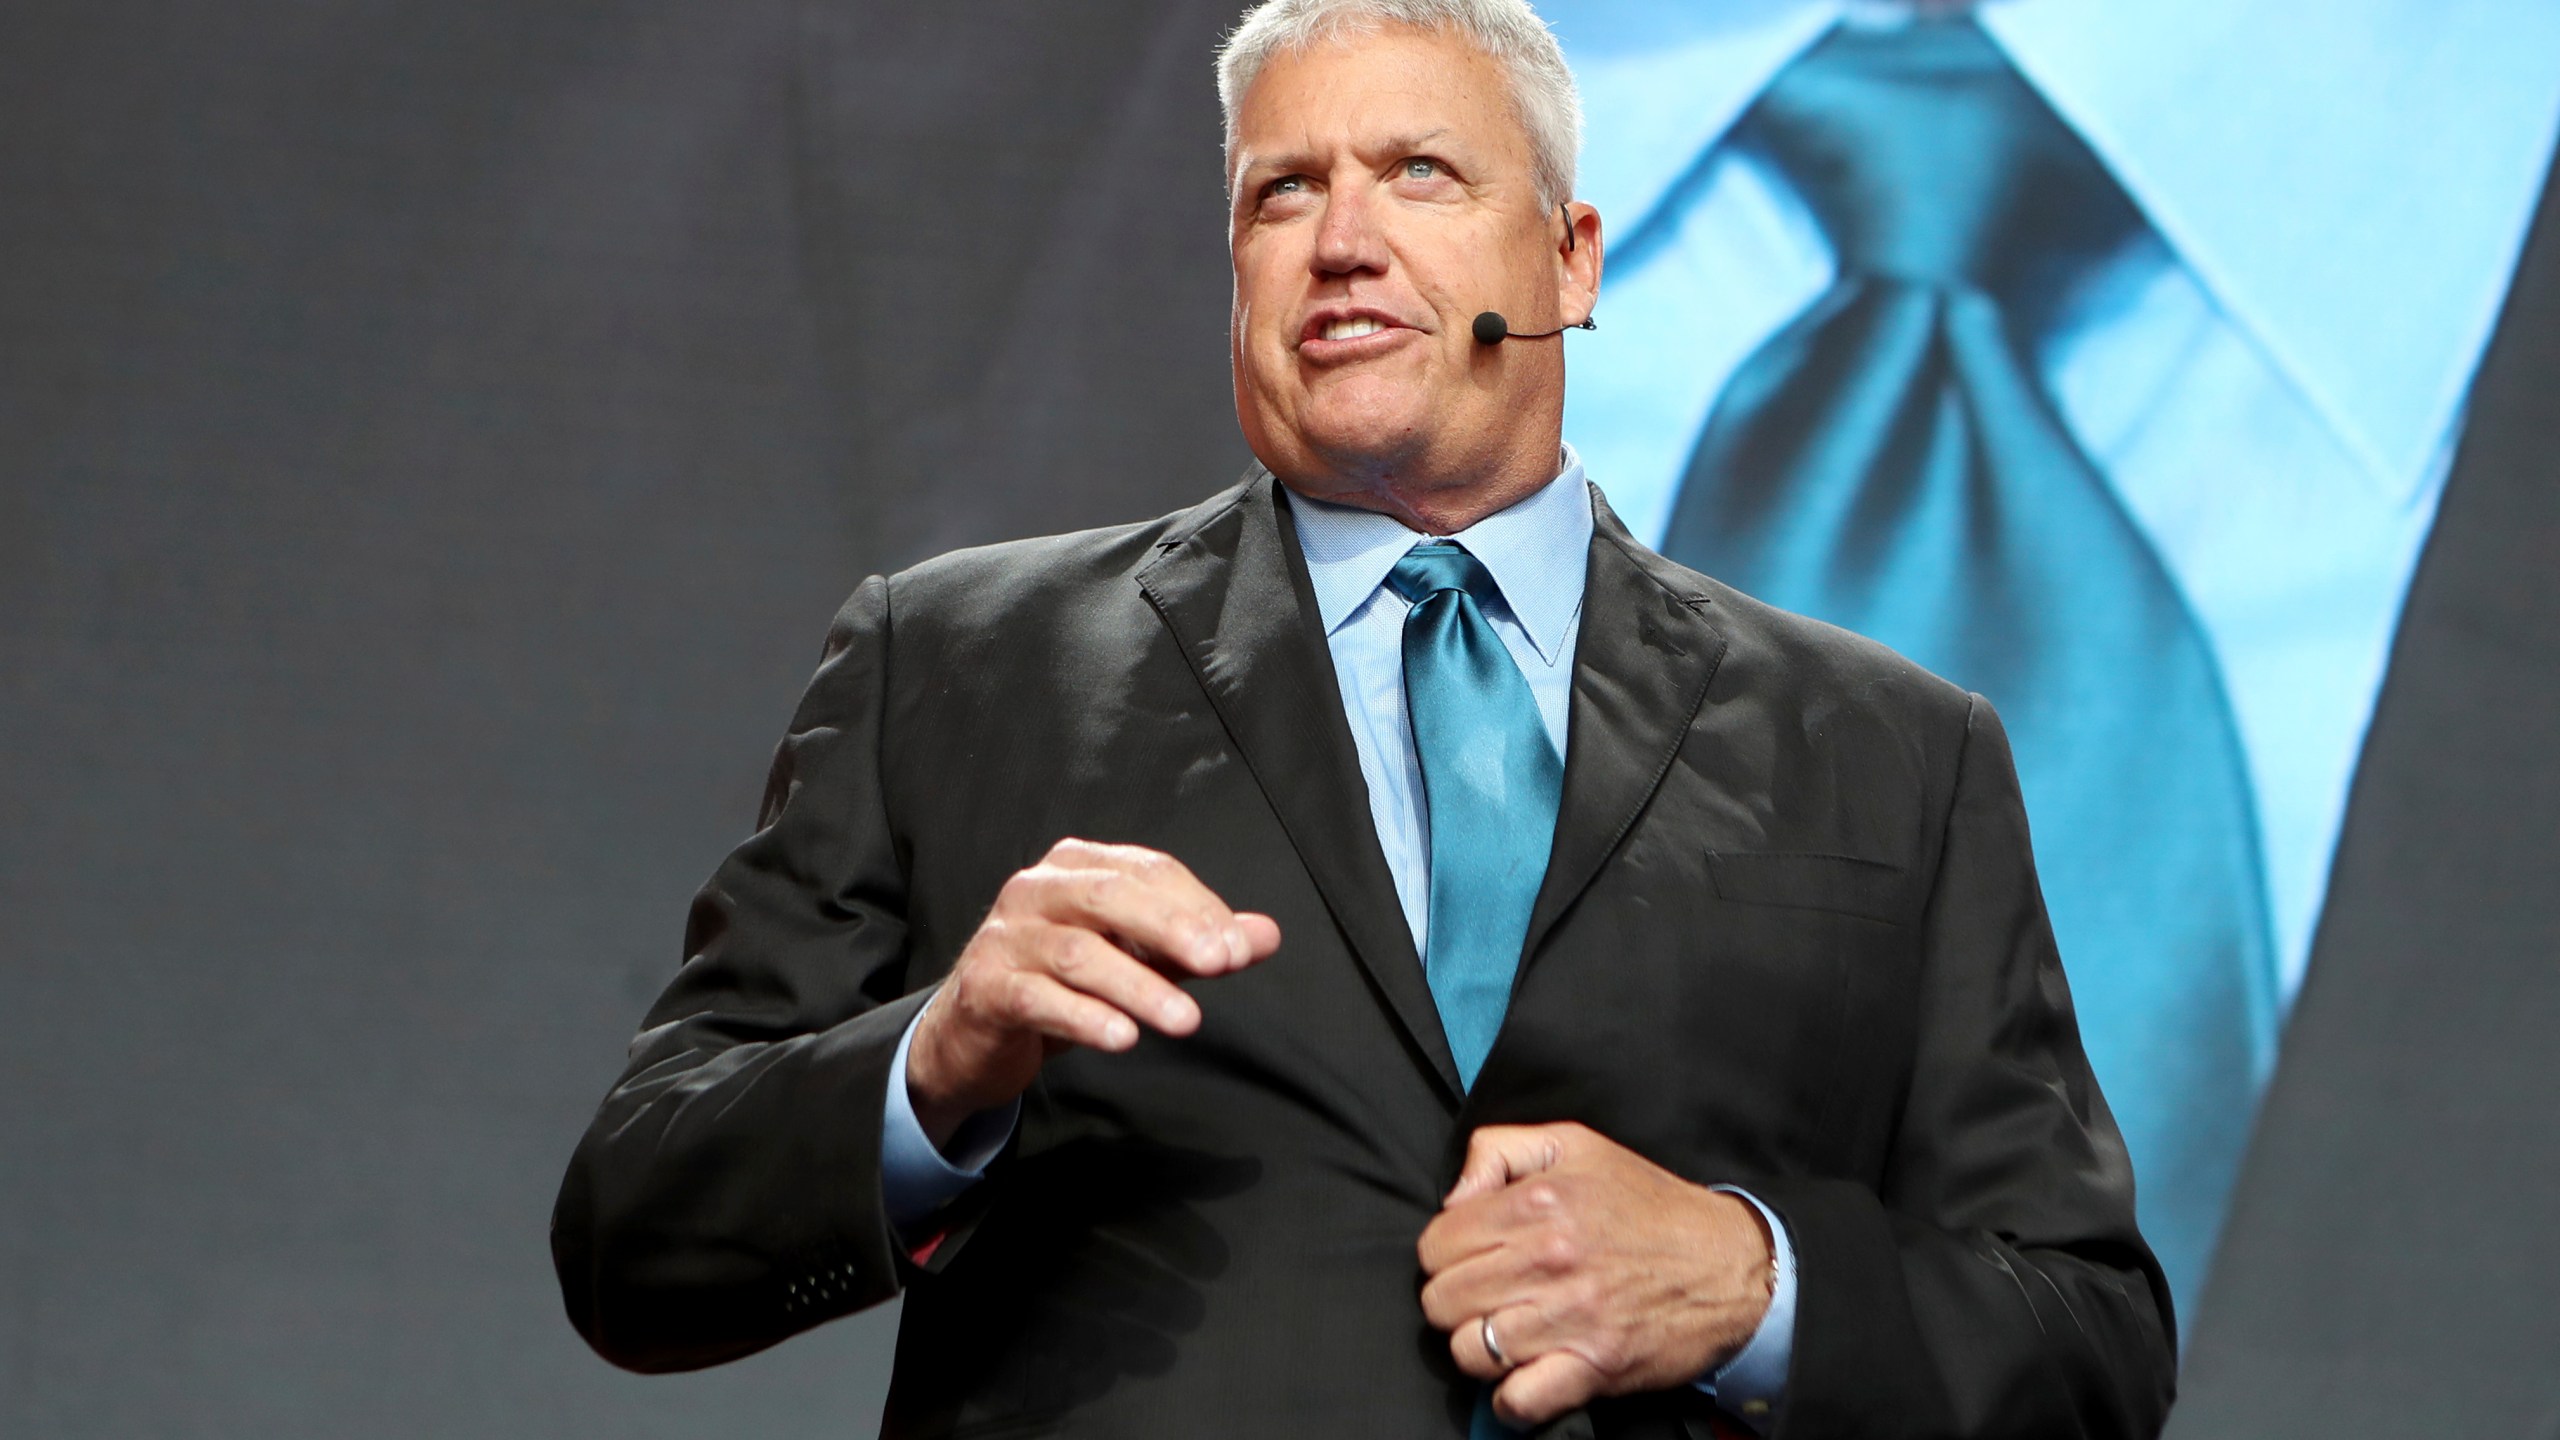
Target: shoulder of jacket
x=985, y=580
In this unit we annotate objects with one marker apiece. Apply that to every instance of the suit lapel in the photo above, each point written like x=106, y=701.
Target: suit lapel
x=1640, y=671
x=1233, y=589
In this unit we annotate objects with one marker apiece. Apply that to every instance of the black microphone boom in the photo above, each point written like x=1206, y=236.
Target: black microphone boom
x=1492, y=329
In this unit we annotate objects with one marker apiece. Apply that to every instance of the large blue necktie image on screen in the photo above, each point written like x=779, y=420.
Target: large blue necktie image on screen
x=1888, y=462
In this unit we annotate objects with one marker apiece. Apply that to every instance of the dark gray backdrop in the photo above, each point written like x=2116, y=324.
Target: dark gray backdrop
x=428, y=462
x=433, y=437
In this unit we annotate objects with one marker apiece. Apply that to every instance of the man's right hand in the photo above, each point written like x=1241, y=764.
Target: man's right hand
x=1077, y=951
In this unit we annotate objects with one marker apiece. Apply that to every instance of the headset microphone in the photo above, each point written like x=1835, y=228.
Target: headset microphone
x=1492, y=329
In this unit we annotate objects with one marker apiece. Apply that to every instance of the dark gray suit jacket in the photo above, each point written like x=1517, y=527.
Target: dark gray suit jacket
x=1790, y=938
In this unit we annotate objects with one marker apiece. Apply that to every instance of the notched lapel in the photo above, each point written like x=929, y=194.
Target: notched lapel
x=1641, y=668
x=1233, y=589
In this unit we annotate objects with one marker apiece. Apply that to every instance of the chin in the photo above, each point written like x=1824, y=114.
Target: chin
x=1368, y=425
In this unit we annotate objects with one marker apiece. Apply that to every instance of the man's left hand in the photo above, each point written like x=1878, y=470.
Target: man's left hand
x=1601, y=1273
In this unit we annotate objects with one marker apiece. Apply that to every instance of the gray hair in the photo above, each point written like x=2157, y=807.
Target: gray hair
x=1542, y=89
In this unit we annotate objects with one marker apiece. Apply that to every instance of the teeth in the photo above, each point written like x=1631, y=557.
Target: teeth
x=1352, y=329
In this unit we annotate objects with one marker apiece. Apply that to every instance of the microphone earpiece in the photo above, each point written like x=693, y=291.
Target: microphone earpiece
x=1492, y=329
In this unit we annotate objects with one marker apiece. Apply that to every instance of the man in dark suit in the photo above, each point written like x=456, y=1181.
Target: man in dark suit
x=1713, y=1061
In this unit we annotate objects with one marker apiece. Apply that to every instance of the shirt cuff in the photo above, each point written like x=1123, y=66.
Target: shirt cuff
x=1750, y=1385
x=918, y=1177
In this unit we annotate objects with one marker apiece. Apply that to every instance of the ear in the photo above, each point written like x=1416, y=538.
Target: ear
x=1579, y=255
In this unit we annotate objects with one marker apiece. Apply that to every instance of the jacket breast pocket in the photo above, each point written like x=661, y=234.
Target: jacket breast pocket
x=1840, y=884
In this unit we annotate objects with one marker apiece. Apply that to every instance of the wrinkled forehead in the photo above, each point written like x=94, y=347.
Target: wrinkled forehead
x=1375, y=94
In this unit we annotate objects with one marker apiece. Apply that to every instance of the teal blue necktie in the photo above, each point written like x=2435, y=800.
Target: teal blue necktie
x=1889, y=462
x=1490, y=783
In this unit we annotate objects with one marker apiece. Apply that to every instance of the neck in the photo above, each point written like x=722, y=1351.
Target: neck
x=1435, y=504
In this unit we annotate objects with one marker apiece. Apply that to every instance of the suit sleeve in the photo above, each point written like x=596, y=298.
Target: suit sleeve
x=1995, y=1283
x=728, y=1193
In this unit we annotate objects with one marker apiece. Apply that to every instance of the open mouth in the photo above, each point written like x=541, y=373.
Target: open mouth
x=1331, y=337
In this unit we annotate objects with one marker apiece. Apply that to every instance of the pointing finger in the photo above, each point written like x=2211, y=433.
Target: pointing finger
x=1146, y=900
x=1261, y=935
x=1085, y=962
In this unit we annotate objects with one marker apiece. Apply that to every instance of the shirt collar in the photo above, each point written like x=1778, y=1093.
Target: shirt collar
x=2349, y=179
x=1536, y=549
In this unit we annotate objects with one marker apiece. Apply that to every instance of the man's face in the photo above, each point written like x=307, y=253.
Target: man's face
x=1383, y=196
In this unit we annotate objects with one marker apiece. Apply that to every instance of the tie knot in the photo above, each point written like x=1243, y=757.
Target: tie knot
x=1925, y=157
x=1438, y=565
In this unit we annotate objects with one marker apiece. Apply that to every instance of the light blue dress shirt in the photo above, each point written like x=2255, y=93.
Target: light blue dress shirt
x=1537, y=551
x=2272, y=381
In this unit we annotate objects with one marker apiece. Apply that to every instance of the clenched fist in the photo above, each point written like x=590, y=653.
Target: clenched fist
x=1598, y=1271
x=1077, y=951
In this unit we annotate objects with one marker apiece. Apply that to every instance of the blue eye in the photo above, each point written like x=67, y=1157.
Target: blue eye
x=1419, y=169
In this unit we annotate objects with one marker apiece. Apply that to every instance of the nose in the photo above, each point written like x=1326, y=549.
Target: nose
x=1347, y=240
